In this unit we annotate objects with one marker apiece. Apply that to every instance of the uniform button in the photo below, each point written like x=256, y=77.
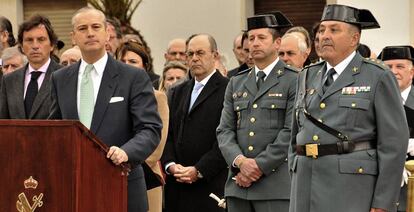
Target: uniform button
x=252, y=119
x=320, y=120
x=360, y=170
x=322, y=105
x=273, y=170
x=273, y=106
x=353, y=104
x=315, y=137
x=237, y=108
x=251, y=133
x=254, y=105
x=250, y=148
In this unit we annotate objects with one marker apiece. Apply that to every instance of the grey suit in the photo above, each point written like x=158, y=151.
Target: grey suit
x=132, y=124
x=364, y=104
x=12, y=99
x=256, y=123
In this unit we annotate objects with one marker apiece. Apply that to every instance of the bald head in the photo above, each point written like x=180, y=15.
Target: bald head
x=176, y=51
x=70, y=56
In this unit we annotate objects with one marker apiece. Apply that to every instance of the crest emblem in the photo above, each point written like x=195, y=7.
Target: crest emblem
x=23, y=204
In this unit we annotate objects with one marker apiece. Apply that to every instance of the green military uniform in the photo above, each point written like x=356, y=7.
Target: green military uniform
x=256, y=123
x=364, y=104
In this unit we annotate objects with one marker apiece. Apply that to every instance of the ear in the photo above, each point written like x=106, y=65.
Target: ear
x=216, y=55
x=355, y=39
x=72, y=35
x=277, y=42
x=165, y=56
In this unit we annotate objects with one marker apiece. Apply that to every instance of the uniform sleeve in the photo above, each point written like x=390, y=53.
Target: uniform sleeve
x=392, y=141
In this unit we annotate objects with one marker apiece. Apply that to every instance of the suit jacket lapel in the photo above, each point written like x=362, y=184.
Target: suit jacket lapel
x=19, y=91
x=209, y=89
x=70, y=91
x=44, y=90
x=410, y=99
x=272, y=79
x=106, y=89
x=250, y=82
x=346, y=78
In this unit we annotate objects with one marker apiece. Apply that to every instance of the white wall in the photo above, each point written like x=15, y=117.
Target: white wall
x=161, y=20
x=394, y=19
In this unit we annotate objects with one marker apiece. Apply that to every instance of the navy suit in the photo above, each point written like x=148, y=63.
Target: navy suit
x=132, y=124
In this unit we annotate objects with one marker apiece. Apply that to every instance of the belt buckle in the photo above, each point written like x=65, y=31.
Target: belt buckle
x=312, y=150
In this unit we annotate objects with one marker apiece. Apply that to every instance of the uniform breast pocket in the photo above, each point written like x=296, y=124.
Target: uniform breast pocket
x=240, y=109
x=273, y=112
x=355, y=108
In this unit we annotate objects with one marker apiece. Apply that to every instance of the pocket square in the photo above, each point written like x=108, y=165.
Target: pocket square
x=116, y=99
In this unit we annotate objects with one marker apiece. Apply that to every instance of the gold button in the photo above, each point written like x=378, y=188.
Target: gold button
x=320, y=120
x=237, y=108
x=360, y=170
x=252, y=119
x=273, y=170
x=322, y=105
x=250, y=148
x=254, y=105
x=251, y=133
x=353, y=104
x=315, y=137
x=273, y=106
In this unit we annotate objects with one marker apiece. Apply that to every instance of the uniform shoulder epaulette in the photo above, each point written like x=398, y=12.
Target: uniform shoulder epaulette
x=291, y=68
x=244, y=71
x=314, y=64
x=376, y=62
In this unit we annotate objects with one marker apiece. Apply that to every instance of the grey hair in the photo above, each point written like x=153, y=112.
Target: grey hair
x=87, y=9
x=301, y=42
x=11, y=52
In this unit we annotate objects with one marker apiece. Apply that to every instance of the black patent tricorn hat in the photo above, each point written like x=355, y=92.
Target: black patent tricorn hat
x=276, y=20
x=397, y=52
x=351, y=15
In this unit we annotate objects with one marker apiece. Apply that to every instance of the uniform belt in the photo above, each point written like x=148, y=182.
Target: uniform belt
x=317, y=150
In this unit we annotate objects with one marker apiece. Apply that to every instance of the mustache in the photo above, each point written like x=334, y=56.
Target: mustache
x=325, y=43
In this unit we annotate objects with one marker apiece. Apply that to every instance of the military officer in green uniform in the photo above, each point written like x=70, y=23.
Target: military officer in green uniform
x=254, y=130
x=400, y=60
x=349, y=133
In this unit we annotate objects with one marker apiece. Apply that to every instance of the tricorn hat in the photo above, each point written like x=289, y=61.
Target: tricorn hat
x=397, y=52
x=351, y=15
x=276, y=20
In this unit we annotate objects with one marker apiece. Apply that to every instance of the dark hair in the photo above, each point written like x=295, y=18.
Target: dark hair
x=364, y=50
x=36, y=21
x=244, y=37
x=117, y=26
x=137, y=48
x=5, y=25
x=315, y=29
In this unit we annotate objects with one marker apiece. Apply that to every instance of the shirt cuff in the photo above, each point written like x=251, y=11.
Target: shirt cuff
x=234, y=161
x=167, y=166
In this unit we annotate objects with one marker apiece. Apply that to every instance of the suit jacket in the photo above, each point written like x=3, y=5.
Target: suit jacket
x=133, y=124
x=12, y=95
x=256, y=123
x=192, y=142
x=364, y=103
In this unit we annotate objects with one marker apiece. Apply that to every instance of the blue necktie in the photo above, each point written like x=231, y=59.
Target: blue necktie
x=195, y=93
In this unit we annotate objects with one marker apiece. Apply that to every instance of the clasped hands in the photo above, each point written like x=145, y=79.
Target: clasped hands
x=249, y=172
x=183, y=174
x=117, y=155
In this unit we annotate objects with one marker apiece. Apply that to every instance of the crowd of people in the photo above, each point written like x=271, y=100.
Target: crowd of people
x=276, y=133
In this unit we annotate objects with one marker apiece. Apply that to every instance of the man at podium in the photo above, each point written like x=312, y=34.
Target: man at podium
x=400, y=60
x=114, y=100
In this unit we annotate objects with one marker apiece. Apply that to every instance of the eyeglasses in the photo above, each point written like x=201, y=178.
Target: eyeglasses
x=198, y=54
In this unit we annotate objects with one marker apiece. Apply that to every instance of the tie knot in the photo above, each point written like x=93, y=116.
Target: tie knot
x=331, y=72
x=197, y=86
x=35, y=74
x=261, y=75
x=88, y=68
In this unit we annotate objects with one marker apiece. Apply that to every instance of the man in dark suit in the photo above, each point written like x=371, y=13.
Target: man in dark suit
x=25, y=93
x=254, y=130
x=400, y=60
x=114, y=100
x=192, y=159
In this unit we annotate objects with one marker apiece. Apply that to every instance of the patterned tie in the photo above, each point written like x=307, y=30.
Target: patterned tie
x=195, y=93
x=86, y=100
x=260, y=79
x=31, y=92
x=329, y=79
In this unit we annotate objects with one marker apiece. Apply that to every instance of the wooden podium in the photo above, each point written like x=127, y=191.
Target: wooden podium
x=57, y=166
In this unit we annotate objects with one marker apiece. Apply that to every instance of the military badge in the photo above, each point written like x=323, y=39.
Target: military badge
x=355, y=90
x=244, y=94
x=275, y=94
x=234, y=95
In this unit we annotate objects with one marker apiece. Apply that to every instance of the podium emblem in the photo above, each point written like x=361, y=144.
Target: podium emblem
x=23, y=204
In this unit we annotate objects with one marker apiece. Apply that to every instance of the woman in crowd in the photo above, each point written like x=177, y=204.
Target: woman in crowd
x=133, y=53
x=174, y=72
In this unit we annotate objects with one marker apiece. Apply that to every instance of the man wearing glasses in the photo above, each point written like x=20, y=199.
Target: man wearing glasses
x=193, y=162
